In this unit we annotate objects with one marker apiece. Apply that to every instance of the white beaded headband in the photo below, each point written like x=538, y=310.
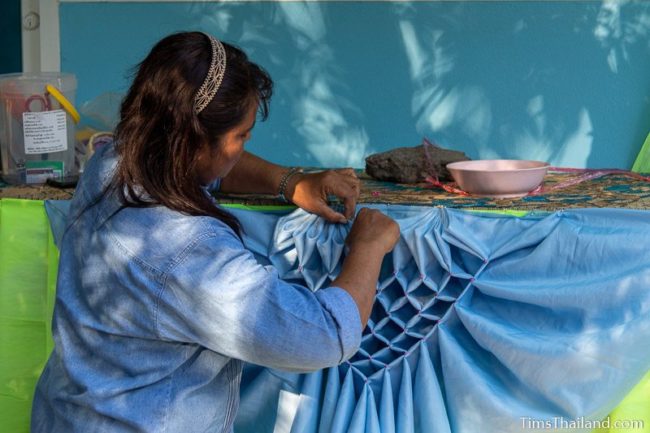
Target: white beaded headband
x=212, y=81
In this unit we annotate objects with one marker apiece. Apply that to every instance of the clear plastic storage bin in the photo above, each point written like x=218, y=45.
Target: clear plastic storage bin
x=37, y=137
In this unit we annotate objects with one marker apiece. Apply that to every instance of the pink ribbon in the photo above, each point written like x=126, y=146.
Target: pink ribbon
x=446, y=186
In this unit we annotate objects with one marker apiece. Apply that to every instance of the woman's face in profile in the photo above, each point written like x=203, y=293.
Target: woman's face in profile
x=216, y=162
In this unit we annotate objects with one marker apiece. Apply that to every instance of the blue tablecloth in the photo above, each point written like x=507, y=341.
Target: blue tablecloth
x=482, y=323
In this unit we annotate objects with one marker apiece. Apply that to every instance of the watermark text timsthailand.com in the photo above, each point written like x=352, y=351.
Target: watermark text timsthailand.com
x=529, y=423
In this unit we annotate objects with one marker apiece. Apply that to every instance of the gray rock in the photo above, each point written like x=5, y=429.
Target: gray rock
x=412, y=164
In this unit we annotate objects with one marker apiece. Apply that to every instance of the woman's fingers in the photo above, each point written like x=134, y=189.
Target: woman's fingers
x=329, y=214
x=373, y=227
x=345, y=181
x=346, y=186
x=313, y=190
x=350, y=205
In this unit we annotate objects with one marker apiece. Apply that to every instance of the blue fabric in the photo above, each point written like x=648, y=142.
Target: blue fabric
x=57, y=213
x=483, y=323
x=155, y=312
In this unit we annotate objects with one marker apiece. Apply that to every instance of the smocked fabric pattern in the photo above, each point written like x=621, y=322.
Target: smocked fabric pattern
x=481, y=323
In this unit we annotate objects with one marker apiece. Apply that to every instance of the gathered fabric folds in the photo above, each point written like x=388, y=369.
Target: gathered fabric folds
x=482, y=323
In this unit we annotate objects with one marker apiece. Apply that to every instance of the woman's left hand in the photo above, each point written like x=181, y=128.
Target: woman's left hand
x=311, y=190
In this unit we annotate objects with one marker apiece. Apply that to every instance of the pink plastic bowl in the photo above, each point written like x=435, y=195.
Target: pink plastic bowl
x=500, y=178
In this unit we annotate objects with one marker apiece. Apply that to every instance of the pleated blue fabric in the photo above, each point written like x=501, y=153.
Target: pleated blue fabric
x=482, y=323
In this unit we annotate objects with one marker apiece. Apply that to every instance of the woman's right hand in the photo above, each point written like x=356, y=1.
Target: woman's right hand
x=372, y=236
x=373, y=231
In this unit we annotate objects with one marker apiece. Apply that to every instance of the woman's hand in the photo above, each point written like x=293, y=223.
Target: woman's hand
x=311, y=190
x=373, y=235
x=374, y=231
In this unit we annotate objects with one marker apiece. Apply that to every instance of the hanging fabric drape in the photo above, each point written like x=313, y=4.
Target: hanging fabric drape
x=482, y=323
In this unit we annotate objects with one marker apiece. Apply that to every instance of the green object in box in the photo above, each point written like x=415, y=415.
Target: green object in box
x=40, y=171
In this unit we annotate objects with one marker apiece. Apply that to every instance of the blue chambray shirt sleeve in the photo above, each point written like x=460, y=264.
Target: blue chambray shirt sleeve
x=344, y=310
x=220, y=297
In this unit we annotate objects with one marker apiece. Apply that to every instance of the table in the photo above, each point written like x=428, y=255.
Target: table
x=441, y=354
x=612, y=191
x=452, y=336
x=482, y=322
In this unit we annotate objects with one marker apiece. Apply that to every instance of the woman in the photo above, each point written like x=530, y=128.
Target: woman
x=158, y=302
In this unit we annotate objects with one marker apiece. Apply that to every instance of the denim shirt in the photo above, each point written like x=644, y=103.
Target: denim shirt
x=155, y=312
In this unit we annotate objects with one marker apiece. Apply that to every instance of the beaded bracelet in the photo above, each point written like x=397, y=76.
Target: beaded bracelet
x=285, y=180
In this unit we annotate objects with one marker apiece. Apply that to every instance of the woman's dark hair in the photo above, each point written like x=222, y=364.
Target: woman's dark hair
x=159, y=135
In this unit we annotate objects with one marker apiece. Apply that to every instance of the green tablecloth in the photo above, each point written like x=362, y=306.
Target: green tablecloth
x=28, y=265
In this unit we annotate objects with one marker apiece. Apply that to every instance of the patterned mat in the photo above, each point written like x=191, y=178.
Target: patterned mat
x=611, y=191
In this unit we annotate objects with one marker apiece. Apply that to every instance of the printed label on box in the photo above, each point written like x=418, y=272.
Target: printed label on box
x=45, y=132
x=40, y=171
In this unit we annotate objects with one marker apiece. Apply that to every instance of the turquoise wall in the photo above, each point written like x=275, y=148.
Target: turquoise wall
x=563, y=81
x=10, y=37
